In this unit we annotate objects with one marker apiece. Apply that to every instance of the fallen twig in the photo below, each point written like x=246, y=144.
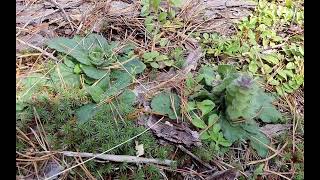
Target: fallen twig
x=39, y=49
x=195, y=157
x=119, y=158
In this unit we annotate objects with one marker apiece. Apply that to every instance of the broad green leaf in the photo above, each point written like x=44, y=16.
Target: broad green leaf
x=151, y=55
x=155, y=4
x=290, y=65
x=226, y=69
x=63, y=74
x=164, y=102
x=86, y=112
x=162, y=58
x=258, y=142
x=191, y=105
x=213, y=118
x=163, y=42
x=168, y=63
x=206, y=73
x=93, y=72
x=162, y=17
x=204, y=136
x=224, y=142
x=119, y=80
x=271, y=59
x=274, y=82
x=205, y=35
x=270, y=114
x=77, y=69
x=283, y=74
x=205, y=106
x=215, y=129
x=198, y=122
x=232, y=132
x=135, y=66
x=67, y=60
x=154, y=65
x=70, y=47
x=253, y=67
x=289, y=3
x=127, y=97
x=95, y=92
x=149, y=23
x=176, y=3
x=267, y=69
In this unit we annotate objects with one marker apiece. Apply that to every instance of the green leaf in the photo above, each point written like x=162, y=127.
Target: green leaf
x=232, y=132
x=258, y=142
x=135, y=66
x=283, y=74
x=197, y=122
x=267, y=69
x=205, y=106
x=226, y=69
x=168, y=63
x=253, y=67
x=154, y=65
x=191, y=105
x=127, y=97
x=270, y=114
x=274, y=82
x=95, y=92
x=212, y=119
x=63, y=74
x=206, y=36
x=290, y=65
x=162, y=17
x=163, y=42
x=149, y=23
x=155, y=4
x=67, y=60
x=70, y=47
x=289, y=3
x=150, y=55
x=119, y=80
x=93, y=72
x=77, y=69
x=176, y=3
x=162, y=104
x=204, y=136
x=271, y=59
x=162, y=58
x=206, y=73
x=86, y=112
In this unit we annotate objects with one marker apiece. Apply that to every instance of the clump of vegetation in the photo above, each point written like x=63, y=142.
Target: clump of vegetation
x=231, y=103
x=267, y=44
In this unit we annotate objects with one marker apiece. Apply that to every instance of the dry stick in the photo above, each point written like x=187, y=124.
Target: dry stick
x=195, y=157
x=119, y=158
x=97, y=155
x=39, y=49
x=276, y=173
x=64, y=12
x=268, y=158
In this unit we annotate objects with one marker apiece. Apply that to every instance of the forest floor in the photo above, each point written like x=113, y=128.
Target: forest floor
x=151, y=89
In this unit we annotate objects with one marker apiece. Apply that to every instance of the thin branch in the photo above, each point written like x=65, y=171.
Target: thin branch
x=39, y=49
x=119, y=158
x=195, y=157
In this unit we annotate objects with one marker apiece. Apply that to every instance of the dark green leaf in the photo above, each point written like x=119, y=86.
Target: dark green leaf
x=162, y=104
x=198, y=122
x=86, y=112
x=205, y=106
x=95, y=92
x=93, y=72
